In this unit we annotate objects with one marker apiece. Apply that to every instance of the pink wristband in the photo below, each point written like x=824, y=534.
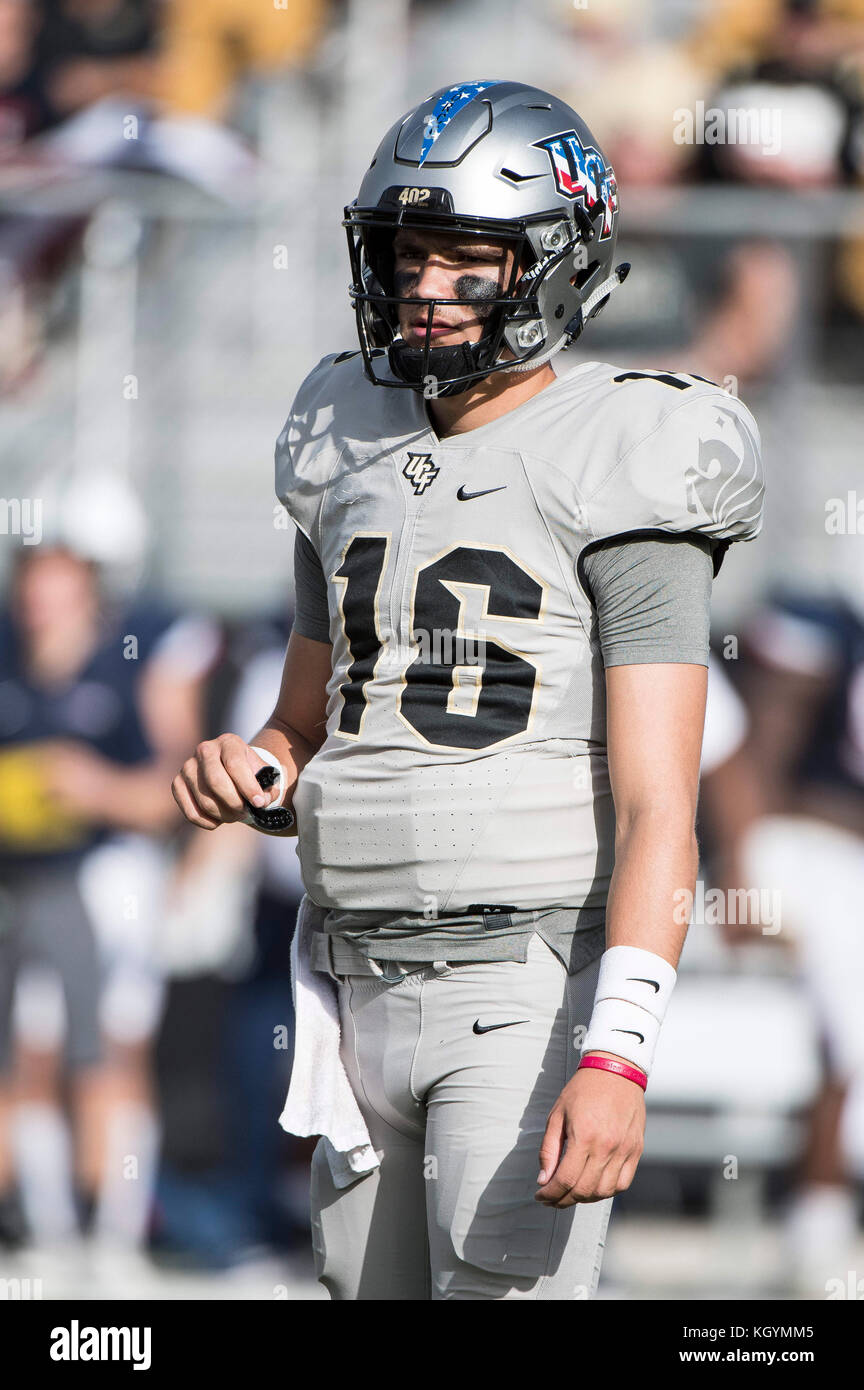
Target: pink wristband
x=621, y=1068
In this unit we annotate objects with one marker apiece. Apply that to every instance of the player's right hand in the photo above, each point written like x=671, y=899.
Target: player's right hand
x=213, y=785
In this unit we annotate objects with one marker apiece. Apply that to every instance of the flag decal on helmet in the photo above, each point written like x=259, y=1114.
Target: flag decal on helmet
x=581, y=172
x=448, y=105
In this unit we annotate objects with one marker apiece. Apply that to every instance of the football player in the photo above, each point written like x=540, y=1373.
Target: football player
x=492, y=703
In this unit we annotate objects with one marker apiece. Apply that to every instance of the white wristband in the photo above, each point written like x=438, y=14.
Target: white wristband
x=281, y=786
x=633, y=992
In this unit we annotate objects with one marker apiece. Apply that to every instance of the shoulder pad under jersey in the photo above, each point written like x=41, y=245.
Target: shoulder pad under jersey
x=309, y=446
x=694, y=465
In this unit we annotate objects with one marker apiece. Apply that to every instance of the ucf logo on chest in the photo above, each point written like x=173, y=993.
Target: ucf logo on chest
x=420, y=471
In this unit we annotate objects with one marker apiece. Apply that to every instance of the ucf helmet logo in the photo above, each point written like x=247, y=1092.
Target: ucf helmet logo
x=580, y=172
x=420, y=471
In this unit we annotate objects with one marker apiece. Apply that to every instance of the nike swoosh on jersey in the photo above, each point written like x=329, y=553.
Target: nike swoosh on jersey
x=489, y=1027
x=464, y=496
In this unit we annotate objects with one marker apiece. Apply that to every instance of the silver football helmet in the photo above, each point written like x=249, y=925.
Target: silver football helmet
x=497, y=159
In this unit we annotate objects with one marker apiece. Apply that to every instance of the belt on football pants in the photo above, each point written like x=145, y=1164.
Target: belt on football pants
x=344, y=958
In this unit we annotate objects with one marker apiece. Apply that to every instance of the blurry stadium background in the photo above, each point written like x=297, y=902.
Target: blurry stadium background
x=172, y=181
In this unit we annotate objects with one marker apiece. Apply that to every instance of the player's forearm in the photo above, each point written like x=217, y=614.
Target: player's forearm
x=656, y=863
x=656, y=857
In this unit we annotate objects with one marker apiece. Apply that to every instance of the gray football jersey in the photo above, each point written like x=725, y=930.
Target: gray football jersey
x=465, y=759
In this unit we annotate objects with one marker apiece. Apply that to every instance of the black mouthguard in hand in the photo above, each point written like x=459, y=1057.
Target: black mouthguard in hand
x=280, y=818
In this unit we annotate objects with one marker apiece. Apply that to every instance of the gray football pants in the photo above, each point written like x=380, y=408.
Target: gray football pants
x=457, y=1118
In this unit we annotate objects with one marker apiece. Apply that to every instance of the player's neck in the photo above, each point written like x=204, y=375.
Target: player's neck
x=487, y=401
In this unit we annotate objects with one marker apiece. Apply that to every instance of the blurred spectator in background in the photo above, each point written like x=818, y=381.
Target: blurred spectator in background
x=155, y=85
x=99, y=696
x=134, y=84
x=788, y=816
x=24, y=104
x=209, y=48
x=60, y=57
x=233, y=1188
x=31, y=248
x=800, y=96
x=89, y=49
x=735, y=33
x=763, y=95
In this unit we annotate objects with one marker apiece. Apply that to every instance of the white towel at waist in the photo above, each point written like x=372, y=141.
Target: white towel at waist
x=320, y=1099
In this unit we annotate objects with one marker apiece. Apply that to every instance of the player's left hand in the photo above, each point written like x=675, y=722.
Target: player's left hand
x=593, y=1141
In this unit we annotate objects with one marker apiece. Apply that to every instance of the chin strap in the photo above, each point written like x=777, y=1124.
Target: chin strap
x=578, y=321
x=535, y=362
x=618, y=276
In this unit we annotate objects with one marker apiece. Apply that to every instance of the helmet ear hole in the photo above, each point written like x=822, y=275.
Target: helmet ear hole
x=375, y=328
x=582, y=277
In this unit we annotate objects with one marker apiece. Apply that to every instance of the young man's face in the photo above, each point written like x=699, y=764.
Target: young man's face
x=448, y=265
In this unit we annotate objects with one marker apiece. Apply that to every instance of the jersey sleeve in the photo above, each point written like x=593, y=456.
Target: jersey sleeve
x=653, y=599
x=311, y=612
x=698, y=468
